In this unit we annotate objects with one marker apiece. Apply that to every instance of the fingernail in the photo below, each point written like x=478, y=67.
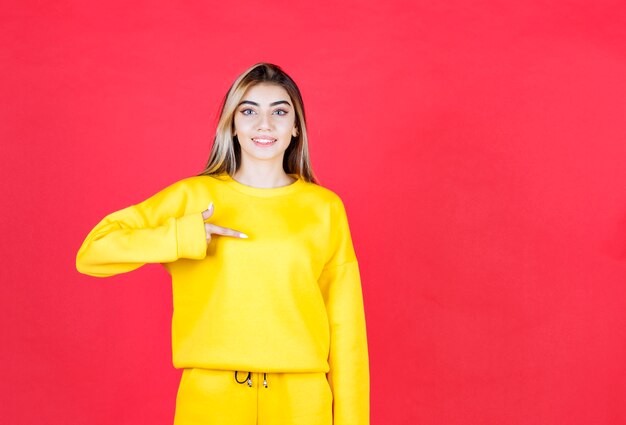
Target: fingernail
x=210, y=205
x=243, y=235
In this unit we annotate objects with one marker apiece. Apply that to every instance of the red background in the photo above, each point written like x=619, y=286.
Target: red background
x=479, y=147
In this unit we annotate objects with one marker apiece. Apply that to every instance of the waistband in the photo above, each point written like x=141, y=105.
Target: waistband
x=249, y=379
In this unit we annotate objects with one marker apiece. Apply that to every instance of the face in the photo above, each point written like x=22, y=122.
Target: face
x=264, y=123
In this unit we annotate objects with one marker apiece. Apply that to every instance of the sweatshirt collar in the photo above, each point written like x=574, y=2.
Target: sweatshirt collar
x=263, y=191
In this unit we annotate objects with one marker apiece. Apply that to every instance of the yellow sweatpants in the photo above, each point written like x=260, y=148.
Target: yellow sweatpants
x=222, y=397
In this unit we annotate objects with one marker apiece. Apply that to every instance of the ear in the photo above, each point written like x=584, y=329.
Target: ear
x=294, y=132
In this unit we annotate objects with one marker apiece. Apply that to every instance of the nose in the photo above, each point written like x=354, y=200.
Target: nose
x=265, y=122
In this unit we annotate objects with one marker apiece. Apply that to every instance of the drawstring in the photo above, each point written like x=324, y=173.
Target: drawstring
x=249, y=379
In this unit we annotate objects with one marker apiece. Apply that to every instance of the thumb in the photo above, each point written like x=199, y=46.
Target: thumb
x=208, y=212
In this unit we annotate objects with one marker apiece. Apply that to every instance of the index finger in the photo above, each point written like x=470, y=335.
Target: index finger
x=225, y=231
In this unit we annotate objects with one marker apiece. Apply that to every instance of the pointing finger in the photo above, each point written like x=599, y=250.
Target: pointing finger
x=225, y=231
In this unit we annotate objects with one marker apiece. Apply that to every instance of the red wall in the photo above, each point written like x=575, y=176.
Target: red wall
x=479, y=147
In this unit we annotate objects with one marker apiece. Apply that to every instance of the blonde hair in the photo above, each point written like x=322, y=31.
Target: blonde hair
x=225, y=154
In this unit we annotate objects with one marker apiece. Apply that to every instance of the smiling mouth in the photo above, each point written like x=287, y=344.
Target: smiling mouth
x=264, y=142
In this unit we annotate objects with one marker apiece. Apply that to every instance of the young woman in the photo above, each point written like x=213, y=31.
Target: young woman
x=268, y=323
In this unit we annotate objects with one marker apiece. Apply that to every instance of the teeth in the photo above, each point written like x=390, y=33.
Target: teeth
x=264, y=140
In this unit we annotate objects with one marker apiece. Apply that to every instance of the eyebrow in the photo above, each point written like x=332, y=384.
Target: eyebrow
x=278, y=102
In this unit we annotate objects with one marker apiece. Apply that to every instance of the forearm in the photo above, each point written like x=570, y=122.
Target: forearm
x=348, y=358
x=119, y=243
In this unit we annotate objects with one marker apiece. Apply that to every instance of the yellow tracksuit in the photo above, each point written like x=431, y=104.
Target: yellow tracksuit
x=282, y=307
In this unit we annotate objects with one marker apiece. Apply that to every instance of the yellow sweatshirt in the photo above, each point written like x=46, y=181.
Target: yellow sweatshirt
x=287, y=299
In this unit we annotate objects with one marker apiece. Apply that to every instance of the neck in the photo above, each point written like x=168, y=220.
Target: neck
x=263, y=175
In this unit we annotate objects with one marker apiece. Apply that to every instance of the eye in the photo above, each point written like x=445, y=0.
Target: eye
x=281, y=110
x=243, y=111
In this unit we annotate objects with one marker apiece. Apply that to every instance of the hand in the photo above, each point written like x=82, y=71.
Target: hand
x=212, y=228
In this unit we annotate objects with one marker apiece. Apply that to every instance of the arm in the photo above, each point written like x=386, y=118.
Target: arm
x=156, y=230
x=349, y=361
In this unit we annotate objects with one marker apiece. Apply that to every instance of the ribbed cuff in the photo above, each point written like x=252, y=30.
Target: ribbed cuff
x=191, y=236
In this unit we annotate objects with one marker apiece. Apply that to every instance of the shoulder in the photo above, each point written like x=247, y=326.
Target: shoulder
x=323, y=194
x=179, y=191
x=193, y=183
x=326, y=198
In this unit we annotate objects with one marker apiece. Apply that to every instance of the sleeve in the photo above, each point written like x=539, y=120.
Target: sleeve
x=340, y=283
x=157, y=230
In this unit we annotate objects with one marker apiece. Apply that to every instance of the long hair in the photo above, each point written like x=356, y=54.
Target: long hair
x=225, y=154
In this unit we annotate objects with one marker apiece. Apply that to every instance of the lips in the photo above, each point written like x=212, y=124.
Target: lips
x=264, y=141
